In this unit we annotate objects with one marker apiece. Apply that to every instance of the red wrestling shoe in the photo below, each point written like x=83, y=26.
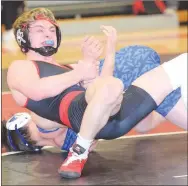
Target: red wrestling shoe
x=73, y=165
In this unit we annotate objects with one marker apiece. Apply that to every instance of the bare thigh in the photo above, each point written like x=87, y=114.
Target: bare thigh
x=156, y=82
x=149, y=122
x=178, y=115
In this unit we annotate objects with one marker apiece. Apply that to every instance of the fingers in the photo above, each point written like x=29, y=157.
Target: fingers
x=106, y=32
x=108, y=28
x=109, y=31
x=92, y=45
x=90, y=40
x=86, y=38
x=87, y=41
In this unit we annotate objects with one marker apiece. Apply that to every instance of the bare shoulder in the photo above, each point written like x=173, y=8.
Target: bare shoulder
x=19, y=63
x=20, y=66
x=20, y=69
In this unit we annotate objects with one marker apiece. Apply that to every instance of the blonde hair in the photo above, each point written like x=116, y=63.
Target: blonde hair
x=30, y=16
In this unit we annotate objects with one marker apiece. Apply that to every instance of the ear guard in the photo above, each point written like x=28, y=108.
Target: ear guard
x=16, y=122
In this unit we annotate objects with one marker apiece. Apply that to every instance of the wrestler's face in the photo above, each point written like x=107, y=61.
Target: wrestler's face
x=41, y=31
x=41, y=140
x=33, y=131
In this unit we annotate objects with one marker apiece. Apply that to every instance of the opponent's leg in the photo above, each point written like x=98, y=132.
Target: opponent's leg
x=141, y=102
x=171, y=106
x=178, y=115
x=149, y=122
x=107, y=97
x=173, y=110
x=104, y=97
x=149, y=61
x=160, y=86
x=173, y=73
x=177, y=72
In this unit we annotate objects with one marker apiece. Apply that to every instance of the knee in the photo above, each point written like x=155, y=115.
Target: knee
x=110, y=90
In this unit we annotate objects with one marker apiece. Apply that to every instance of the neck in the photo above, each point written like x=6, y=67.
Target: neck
x=31, y=55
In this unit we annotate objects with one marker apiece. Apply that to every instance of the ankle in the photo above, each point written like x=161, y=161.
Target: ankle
x=84, y=143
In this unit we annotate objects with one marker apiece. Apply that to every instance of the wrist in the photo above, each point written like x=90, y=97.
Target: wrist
x=88, y=60
x=110, y=49
x=78, y=76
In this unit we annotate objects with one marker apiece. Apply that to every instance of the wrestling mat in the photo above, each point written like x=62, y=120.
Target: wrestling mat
x=142, y=160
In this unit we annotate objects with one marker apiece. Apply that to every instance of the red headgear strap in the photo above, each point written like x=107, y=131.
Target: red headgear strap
x=43, y=17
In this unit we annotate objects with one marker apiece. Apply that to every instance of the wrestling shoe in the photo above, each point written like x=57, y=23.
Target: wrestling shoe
x=74, y=163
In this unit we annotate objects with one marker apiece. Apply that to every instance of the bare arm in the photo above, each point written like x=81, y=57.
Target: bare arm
x=109, y=62
x=108, y=67
x=31, y=85
x=92, y=49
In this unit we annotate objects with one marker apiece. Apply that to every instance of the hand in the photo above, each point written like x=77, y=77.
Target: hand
x=87, y=71
x=91, y=48
x=86, y=83
x=111, y=35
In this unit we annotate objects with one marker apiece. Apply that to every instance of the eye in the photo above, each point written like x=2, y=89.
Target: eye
x=53, y=30
x=39, y=30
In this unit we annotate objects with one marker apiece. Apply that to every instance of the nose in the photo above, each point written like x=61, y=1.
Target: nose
x=47, y=34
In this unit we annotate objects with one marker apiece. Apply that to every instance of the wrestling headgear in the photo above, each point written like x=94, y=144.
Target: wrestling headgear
x=22, y=38
x=15, y=123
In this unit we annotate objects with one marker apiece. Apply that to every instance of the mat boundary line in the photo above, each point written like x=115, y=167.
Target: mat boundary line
x=123, y=137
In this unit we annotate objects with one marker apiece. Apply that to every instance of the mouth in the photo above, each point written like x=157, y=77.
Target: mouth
x=48, y=43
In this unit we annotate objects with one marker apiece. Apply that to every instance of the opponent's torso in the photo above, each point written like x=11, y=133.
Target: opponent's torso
x=49, y=108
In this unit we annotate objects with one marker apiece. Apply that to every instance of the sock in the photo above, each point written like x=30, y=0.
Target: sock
x=84, y=142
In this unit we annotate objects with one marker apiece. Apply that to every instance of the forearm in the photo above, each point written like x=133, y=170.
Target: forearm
x=54, y=85
x=108, y=67
x=50, y=86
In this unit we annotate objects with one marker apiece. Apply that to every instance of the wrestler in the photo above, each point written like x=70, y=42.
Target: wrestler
x=55, y=137
x=20, y=117
x=102, y=81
